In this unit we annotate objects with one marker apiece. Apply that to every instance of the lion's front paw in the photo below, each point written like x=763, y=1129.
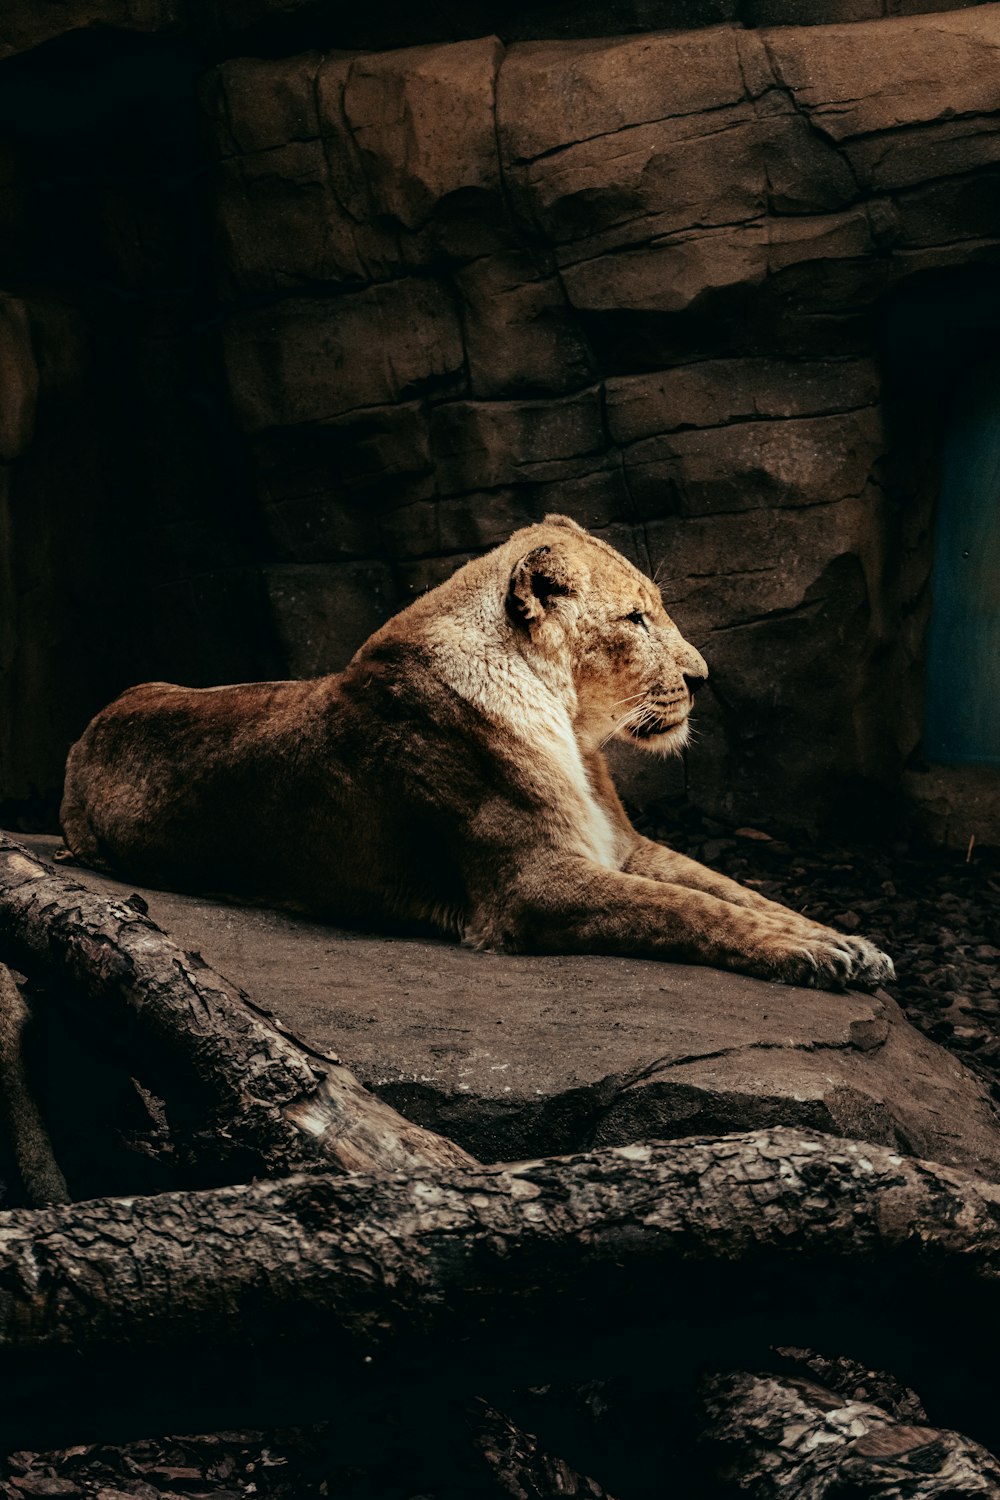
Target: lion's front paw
x=821, y=962
x=831, y=960
x=871, y=966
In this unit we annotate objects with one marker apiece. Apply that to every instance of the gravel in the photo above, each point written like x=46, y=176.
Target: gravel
x=936, y=913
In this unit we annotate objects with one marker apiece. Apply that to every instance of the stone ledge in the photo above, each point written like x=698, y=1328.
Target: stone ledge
x=515, y=1057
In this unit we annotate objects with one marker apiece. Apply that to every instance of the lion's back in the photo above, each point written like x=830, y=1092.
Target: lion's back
x=165, y=780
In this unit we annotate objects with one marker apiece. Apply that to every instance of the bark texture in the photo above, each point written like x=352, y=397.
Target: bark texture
x=516, y=1273
x=40, y=1175
x=244, y=1099
x=519, y=1465
x=795, y=1439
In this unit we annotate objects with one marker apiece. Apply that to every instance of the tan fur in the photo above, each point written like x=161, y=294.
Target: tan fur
x=452, y=773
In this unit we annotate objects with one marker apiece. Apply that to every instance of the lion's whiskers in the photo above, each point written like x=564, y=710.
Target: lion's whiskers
x=634, y=716
x=662, y=583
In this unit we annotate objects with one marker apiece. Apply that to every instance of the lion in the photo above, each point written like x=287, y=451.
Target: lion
x=452, y=774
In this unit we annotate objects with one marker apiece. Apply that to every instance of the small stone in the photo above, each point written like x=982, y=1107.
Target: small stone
x=137, y=1490
x=923, y=994
x=45, y=1484
x=753, y=833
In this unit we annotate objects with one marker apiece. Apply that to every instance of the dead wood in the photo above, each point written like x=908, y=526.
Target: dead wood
x=257, y=1091
x=42, y=1180
x=517, y=1463
x=781, y=1438
x=244, y=1099
x=509, y=1274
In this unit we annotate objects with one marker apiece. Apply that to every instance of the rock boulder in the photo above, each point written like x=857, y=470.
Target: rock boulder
x=518, y=1056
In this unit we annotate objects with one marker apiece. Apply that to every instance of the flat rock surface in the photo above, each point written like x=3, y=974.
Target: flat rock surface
x=516, y=1056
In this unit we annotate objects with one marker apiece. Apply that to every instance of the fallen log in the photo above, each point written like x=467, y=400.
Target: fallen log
x=42, y=1180
x=195, y=1306
x=781, y=1439
x=244, y=1099
x=519, y=1465
x=228, y=1076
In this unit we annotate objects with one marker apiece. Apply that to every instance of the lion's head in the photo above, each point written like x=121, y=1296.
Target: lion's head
x=583, y=607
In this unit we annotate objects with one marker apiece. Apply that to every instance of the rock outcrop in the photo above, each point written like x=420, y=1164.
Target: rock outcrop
x=520, y=1056
x=635, y=279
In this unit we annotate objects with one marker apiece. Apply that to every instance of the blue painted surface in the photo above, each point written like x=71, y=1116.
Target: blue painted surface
x=963, y=667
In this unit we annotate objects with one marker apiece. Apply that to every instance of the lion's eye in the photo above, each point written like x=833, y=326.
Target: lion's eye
x=638, y=618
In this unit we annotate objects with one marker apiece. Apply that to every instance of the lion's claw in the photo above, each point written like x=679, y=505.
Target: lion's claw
x=869, y=966
x=828, y=960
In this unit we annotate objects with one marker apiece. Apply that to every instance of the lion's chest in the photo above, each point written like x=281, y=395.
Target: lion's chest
x=535, y=715
x=584, y=824
x=601, y=838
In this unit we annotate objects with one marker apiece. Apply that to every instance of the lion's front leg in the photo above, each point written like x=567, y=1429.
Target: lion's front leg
x=570, y=904
x=657, y=862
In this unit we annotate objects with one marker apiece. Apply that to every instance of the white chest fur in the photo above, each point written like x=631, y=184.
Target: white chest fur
x=505, y=688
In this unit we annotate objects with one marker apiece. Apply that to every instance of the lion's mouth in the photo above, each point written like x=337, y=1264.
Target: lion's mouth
x=648, y=729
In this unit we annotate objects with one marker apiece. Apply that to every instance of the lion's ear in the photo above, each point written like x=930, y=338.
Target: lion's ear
x=554, y=518
x=539, y=577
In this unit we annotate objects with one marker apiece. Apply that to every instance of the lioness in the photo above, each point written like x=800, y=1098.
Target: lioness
x=452, y=773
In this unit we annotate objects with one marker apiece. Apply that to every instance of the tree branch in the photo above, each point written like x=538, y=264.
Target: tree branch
x=244, y=1099
x=41, y=1178
x=525, y=1273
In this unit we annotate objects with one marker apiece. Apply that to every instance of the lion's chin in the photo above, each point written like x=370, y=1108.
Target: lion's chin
x=670, y=740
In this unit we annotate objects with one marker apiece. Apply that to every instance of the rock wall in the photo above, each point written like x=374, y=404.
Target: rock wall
x=281, y=27
x=637, y=280
x=363, y=312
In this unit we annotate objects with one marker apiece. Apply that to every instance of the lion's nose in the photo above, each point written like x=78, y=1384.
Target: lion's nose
x=694, y=681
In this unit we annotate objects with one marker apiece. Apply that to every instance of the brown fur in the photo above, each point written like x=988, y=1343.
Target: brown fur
x=452, y=773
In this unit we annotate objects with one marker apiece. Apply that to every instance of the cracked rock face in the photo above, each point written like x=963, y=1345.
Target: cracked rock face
x=635, y=279
x=406, y=280
x=516, y=1057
